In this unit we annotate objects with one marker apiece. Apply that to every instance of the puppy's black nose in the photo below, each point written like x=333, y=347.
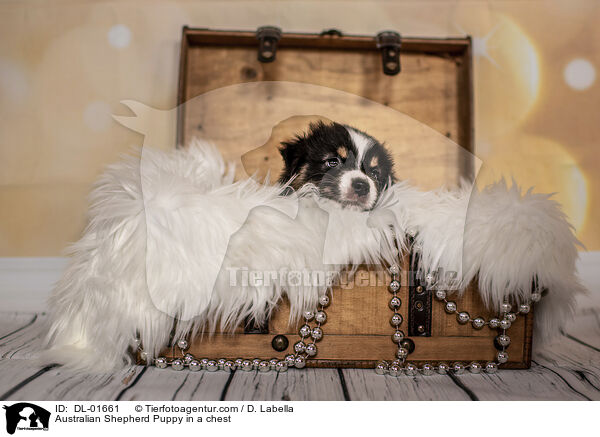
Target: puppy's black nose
x=360, y=187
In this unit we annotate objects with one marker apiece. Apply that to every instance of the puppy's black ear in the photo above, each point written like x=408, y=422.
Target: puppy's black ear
x=291, y=152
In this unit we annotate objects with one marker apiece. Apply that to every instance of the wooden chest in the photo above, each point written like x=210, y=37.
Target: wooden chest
x=246, y=106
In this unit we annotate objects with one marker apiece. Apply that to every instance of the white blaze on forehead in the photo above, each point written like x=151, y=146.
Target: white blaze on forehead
x=346, y=187
x=362, y=144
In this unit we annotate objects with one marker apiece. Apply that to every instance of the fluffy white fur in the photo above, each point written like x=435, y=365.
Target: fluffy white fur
x=167, y=229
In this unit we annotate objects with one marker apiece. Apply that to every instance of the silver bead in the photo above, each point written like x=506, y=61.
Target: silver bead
x=324, y=300
x=300, y=362
x=395, y=302
x=281, y=366
x=478, y=323
x=177, y=364
x=503, y=340
x=247, y=366
x=505, y=324
x=381, y=368
x=502, y=357
x=535, y=297
x=397, y=336
x=204, y=362
x=311, y=349
x=264, y=366
x=427, y=369
x=188, y=358
x=305, y=331
x=475, y=367
x=394, y=286
x=463, y=317
x=144, y=356
x=160, y=362
x=494, y=323
x=402, y=353
x=182, y=344
x=411, y=369
x=137, y=342
x=491, y=367
x=300, y=347
x=256, y=363
x=320, y=317
x=238, y=363
x=458, y=368
x=290, y=359
x=273, y=363
x=194, y=366
x=394, y=370
x=505, y=307
x=510, y=316
x=524, y=308
x=443, y=368
x=396, y=319
x=212, y=366
x=221, y=363
x=316, y=334
x=440, y=294
x=229, y=366
x=308, y=315
x=450, y=307
x=394, y=269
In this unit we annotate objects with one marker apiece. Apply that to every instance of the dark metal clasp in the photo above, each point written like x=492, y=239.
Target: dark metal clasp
x=268, y=37
x=389, y=42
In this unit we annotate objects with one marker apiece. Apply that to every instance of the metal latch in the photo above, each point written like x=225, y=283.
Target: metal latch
x=419, y=300
x=268, y=37
x=389, y=43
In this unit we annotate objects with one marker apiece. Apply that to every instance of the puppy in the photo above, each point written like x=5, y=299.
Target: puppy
x=347, y=165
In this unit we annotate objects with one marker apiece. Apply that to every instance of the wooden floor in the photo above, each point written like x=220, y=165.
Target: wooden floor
x=569, y=370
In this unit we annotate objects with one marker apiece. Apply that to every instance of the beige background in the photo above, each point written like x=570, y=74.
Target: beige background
x=66, y=65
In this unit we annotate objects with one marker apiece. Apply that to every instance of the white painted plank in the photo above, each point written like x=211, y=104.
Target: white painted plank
x=26, y=343
x=11, y=321
x=293, y=385
x=168, y=384
x=366, y=385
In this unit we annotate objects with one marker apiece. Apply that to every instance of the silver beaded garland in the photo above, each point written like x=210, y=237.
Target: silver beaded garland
x=381, y=368
x=308, y=315
x=402, y=353
x=502, y=357
x=246, y=366
x=524, y=308
x=440, y=294
x=491, y=367
x=395, y=302
x=229, y=366
x=396, y=319
x=427, y=369
x=194, y=366
x=311, y=349
x=212, y=366
x=324, y=300
x=161, y=362
x=411, y=369
x=397, y=336
x=281, y=366
x=503, y=340
x=273, y=363
x=475, y=367
x=478, y=323
x=320, y=317
x=458, y=368
x=394, y=286
x=505, y=307
x=316, y=334
x=264, y=366
x=299, y=362
x=505, y=324
x=450, y=307
x=494, y=323
x=394, y=370
x=511, y=316
x=535, y=297
x=443, y=368
x=305, y=331
x=177, y=364
x=182, y=344
x=463, y=317
x=300, y=347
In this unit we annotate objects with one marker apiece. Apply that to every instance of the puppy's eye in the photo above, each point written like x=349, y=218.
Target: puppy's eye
x=374, y=173
x=332, y=162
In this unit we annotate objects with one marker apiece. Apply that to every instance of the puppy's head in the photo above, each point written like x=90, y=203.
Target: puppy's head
x=346, y=164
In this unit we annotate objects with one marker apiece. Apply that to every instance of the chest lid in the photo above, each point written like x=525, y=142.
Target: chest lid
x=248, y=91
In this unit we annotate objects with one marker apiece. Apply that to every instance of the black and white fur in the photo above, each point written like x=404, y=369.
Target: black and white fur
x=344, y=163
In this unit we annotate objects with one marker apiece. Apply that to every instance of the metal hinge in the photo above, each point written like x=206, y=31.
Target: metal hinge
x=389, y=42
x=268, y=37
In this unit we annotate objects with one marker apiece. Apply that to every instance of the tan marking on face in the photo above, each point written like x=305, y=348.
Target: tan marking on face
x=374, y=161
x=342, y=152
x=300, y=179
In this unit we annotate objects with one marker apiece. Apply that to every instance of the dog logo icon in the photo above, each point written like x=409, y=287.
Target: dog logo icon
x=26, y=416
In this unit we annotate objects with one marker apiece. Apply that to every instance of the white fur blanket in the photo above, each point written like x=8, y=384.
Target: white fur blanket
x=167, y=231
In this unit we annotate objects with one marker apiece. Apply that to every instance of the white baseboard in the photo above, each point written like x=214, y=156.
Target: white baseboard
x=25, y=283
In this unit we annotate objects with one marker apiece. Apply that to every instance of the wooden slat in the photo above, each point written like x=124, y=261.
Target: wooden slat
x=25, y=342
x=366, y=385
x=293, y=385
